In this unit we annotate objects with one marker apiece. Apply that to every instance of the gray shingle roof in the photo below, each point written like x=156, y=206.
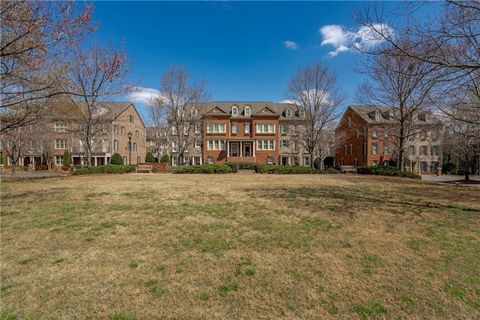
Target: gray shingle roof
x=375, y=114
x=256, y=106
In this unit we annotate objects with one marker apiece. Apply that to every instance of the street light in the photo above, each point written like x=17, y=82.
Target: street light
x=129, y=148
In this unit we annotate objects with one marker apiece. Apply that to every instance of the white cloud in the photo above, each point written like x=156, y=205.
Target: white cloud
x=292, y=45
x=144, y=95
x=344, y=40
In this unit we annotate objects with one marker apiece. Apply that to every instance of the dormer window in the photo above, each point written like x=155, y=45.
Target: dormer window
x=234, y=111
x=301, y=113
x=248, y=111
x=377, y=115
x=288, y=113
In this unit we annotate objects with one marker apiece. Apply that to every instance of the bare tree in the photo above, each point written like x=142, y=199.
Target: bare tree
x=448, y=41
x=463, y=140
x=314, y=90
x=37, y=39
x=403, y=86
x=177, y=107
x=95, y=75
x=15, y=143
x=159, y=130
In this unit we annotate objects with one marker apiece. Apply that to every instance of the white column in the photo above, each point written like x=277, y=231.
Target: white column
x=253, y=147
x=95, y=161
x=228, y=148
x=105, y=160
x=33, y=161
x=241, y=148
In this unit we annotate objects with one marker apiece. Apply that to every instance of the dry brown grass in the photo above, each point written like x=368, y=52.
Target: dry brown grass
x=239, y=247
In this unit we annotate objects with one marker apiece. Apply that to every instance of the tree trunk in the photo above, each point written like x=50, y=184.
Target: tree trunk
x=14, y=168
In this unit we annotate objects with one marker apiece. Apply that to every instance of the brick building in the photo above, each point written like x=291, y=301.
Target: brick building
x=256, y=132
x=121, y=127
x=366, y=135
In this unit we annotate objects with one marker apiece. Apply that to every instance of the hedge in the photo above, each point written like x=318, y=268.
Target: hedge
x=149, y=157
x=282, y=169
x=116, y=159
x=327, y=171
x=165, y=159
x=111, y=168
x=204, y=168
x=387, y=171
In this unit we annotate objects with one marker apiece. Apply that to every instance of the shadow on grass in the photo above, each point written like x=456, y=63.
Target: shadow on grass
x=361, y=195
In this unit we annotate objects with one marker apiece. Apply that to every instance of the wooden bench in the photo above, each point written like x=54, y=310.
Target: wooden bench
x=344, y=169
x=144, y=168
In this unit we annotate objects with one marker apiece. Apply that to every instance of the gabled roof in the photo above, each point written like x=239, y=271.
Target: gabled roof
x=257, y=108
x=382, y=115
x=107, y=110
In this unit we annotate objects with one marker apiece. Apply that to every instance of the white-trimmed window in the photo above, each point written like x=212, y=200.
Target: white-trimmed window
x=210, y=159
x=266, y=144
x=234, y=128
x=248, y=111
x=193, y=112
x=60, y=144
x=283, y=129
x=115, y=144
x=174, y=146
x=385, y=148
x=174, y=161
x=197, y=128
x=288, y=113
x=216, y=128
x=137, y=134
x=234, y=111
x=374, y=133
x=301, y=113
x=374, y=148
x=59, y=160
x=60, y=127
x=265, y=128
x=174, y=131
x=104, y=145
x=424, y=150
x=185, y=131
x=198, y=143
x=246, y=127
x=306, y=161
x=284, y=143
x=216, y=144
x=123, y=131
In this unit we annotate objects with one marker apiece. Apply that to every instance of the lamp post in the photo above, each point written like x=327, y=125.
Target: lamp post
x=129, y=148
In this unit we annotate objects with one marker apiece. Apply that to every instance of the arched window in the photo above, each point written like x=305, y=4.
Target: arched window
x=234, y=111
x=248, y=111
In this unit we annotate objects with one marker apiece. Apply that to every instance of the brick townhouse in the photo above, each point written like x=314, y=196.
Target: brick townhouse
x=366, y=135
x=256, y=132
x=121, y=127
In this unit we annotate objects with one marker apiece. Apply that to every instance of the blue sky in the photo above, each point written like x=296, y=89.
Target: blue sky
x=239, y=48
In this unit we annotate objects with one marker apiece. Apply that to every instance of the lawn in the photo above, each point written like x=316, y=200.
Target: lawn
x=239, y=246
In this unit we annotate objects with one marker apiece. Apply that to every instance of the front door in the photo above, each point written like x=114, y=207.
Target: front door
x=247, y=149
x=234, y=149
